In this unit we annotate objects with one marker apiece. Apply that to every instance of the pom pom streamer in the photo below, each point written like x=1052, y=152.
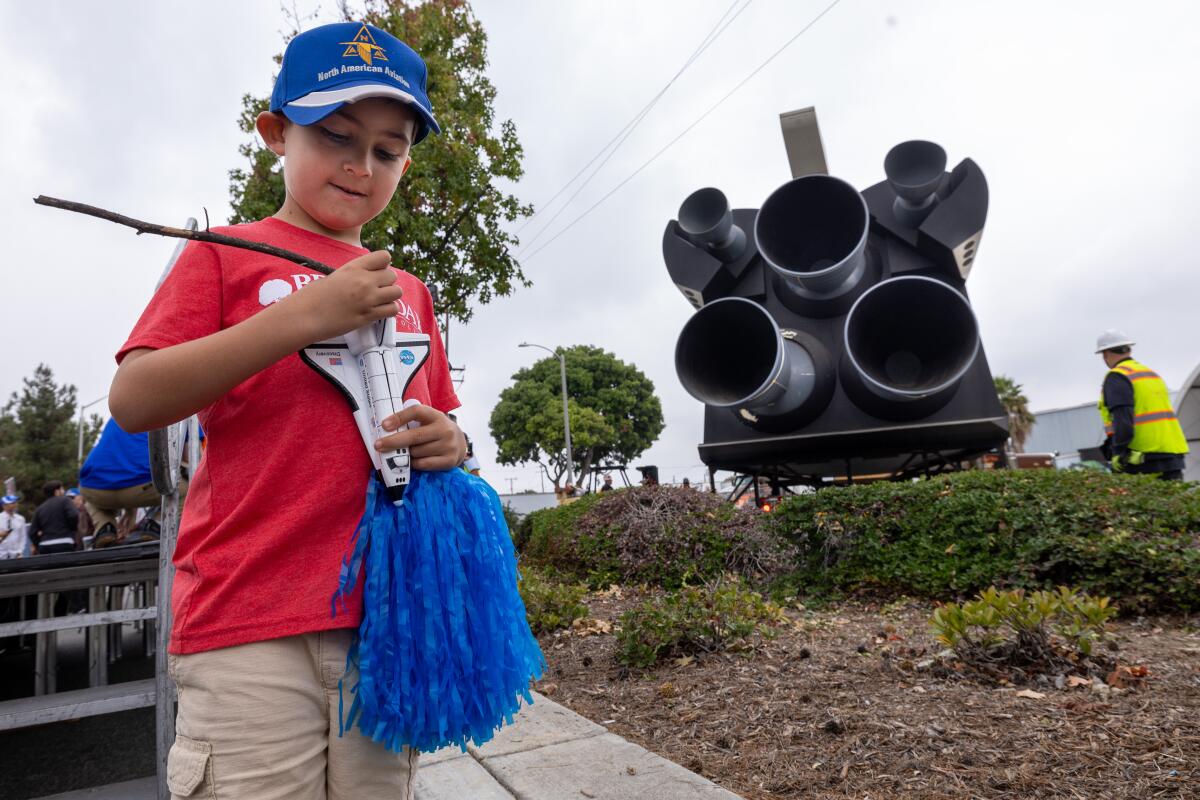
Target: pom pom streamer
x=444, y=652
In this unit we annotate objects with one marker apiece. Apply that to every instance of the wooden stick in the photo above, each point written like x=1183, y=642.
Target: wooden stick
x=182, y=233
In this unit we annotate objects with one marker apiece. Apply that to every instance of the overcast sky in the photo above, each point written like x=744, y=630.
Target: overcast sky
x=1080, y=114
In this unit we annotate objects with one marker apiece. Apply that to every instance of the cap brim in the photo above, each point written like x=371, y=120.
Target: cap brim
x=315, y=106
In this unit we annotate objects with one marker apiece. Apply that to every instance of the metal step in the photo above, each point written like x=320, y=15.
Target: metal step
x=139, y=789
x=26, y=711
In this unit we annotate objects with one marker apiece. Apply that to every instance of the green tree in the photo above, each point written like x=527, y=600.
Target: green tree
x=39, y=435
x=445, y=223
x=614, y=413
x=1016, y=405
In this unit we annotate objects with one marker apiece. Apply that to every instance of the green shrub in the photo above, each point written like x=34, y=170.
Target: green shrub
x=550, y=603
x=1018, y=629
x=518, y=527
x=551, y=534
x=695, y=619
x=511, y=518
x=1128, y=537
x=662, y=536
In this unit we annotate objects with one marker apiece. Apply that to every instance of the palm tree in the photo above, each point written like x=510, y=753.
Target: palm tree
x=1016, y=405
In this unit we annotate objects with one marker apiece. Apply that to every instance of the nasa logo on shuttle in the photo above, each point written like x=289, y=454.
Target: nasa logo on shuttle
x=407, y=357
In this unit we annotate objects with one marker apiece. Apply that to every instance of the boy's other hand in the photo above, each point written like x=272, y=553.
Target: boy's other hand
x=438, y=444
x=360, y=291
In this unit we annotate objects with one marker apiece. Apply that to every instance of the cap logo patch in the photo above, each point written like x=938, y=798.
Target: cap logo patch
x=364, y=46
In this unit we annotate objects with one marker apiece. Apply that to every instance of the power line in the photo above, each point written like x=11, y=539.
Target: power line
x=626, y=131
x=636, y=118
x=683, y=133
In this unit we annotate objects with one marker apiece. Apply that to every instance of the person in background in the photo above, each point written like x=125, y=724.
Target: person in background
x=687, y=484
x=116, y=476
x=87, y=528
x=1143, y=435
x=55, y=525
x=471, y=465
x=567, y=494
x=608, y=485
x=14, y=542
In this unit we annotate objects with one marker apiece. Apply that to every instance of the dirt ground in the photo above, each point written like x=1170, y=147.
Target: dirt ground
x=844, y=704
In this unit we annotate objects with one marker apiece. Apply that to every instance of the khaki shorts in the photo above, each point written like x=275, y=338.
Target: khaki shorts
x=106, y=504
x=260, y=721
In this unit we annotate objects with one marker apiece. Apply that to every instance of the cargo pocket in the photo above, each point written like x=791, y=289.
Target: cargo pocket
x=189, y=769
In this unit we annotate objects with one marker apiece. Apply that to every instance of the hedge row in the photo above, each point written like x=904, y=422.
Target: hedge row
x=1132, y=538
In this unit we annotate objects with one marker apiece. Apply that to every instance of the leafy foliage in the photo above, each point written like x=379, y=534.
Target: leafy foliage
x=719, y=615
x=521, y=532
x=1007, y=634
x=447, y=222
x=39, y=435
x=1016, y=405
x=1127, y=537
x=550, y=604
x=614, y=413
x=660, y=535
x=511, y=519
x=547, y=538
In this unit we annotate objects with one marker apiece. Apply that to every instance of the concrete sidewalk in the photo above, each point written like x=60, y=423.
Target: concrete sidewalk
x=549, y=753
x=552, y=753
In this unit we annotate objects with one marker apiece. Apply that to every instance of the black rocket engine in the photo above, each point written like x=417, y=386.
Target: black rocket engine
x=833, y=335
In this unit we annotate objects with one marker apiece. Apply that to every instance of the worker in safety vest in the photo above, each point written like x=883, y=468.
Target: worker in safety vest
x=1143, y=435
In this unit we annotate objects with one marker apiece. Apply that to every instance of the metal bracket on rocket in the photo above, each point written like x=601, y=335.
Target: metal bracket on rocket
x=372, y=367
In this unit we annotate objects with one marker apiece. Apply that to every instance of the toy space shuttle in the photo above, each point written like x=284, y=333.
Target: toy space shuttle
x=372, y=367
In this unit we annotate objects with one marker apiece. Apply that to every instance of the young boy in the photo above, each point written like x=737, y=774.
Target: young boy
x=255, y=652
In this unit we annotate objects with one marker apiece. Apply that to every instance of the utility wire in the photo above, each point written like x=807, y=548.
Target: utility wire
x=636, y=118
x=683, y=133
x=628, y=133
x=708, y=39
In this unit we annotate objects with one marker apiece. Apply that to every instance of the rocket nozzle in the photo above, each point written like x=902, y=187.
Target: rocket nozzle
x=813, y=232
x=707, y=221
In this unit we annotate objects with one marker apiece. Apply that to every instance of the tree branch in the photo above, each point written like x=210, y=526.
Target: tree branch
x=559, y=471
x=183, y=233
x=453, y=226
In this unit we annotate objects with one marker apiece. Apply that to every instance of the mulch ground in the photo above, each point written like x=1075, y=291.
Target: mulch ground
x=844, y=703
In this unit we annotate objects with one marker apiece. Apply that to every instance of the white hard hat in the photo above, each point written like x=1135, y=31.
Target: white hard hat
x=1112, y=338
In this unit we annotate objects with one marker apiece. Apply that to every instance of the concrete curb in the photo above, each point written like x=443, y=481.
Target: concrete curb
x=552, y=753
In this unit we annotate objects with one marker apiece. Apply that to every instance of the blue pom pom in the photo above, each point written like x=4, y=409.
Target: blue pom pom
x=444, y=652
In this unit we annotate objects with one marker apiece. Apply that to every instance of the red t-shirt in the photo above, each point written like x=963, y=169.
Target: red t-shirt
x=282, y=485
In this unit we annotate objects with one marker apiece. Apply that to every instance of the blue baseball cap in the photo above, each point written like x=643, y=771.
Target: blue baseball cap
x=72, y=492
x=9, y=498
x=327, y=67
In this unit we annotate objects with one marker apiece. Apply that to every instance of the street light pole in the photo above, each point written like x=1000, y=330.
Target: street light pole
x=83, y=408
x=562, y=363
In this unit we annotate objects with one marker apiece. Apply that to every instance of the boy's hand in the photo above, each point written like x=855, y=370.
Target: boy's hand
x=437, y=445
x=360, y=291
